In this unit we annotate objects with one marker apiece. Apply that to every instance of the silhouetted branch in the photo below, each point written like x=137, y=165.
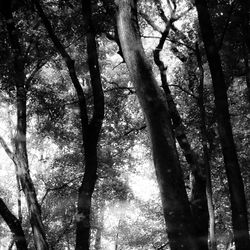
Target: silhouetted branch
x=184, y=90
x=135, y=130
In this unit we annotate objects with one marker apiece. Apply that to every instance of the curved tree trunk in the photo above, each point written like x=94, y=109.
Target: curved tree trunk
x=236, y=188
x=175, y=203
x=20, y=157
x=15, y=226
x=93, y=131
x=90, y=129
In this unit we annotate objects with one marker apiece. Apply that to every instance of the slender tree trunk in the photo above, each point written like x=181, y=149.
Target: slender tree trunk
x=236, y=188
x=90, y=129
x=15, y=226
x=93, y=131
x=206, y=155
x=175, y=203
x=20, y=155
x=245, y=9
x=198, y=198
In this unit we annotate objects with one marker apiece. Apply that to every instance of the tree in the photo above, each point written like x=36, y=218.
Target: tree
x=237, y=194
x=90, y=128
x=175, y=203
x=20, y=156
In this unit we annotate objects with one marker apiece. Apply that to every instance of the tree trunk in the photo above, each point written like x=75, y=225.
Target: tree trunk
x=20, y=154
x=93, y=131
x=236, y=188
x=175, y=203
x=206, y=154
x=14, y=225
x=198, y=198
x=90, y=130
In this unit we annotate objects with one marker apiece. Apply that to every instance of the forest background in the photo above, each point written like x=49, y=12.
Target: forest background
x=124, y=124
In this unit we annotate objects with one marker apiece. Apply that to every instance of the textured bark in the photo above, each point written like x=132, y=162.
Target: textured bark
x=236, y=188
x=176, y=208
x=20, y=156
x=90, y=129
x=15, y=226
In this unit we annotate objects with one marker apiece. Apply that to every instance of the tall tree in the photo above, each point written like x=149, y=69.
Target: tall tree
x=92, y=134
x=198, y=197
x=206, y=153
x=176, y=209
x=20, y=156
x=236, y=188
x=91, y=128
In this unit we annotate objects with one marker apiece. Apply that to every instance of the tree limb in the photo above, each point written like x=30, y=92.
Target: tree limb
x=7, y=149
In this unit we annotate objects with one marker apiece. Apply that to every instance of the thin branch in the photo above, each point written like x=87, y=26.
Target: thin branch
x=151, y=22
x=173, y=40
x=56, y=188
x=37, y=67
x=131, y=90
x=154, y=37
x=184, y=12
x=118, y=64
x=161, y=11
x=11, y=244
x=70, y=65
x=184, y=90
x=7, y=149
x=135, y=130
x=179, y=54
x=182, y=36
x=162, y=246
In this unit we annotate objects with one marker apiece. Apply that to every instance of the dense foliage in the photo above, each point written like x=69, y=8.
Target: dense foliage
x=47, y=43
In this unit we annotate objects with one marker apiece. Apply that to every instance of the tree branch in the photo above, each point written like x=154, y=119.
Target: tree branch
x=135, y=130
x=14, y=225
x=70, y=65
x=7, y=149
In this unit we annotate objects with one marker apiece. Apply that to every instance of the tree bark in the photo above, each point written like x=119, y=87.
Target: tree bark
x=175, y=203
x=15, y=226
x=236, y=188
x=20, y=157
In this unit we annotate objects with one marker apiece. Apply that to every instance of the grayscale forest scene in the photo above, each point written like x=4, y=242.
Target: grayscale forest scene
x=124, y=124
